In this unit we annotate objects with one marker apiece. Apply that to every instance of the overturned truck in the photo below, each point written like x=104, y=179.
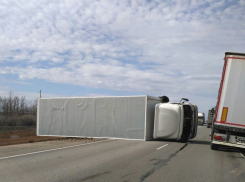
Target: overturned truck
x=130, y=117
x=175, y=121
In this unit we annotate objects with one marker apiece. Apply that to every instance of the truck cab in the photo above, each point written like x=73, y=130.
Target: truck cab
x=201, y=118
x=175, y=121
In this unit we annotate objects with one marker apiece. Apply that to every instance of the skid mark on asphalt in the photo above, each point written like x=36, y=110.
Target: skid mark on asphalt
x=94, y=176
x=183, y=146
x=242, y=155
x=242, y=152
x=236, y=165
x=161, y=163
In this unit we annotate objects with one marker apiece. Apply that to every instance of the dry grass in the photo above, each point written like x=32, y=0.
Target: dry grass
x=22, y=134
x=11, y=135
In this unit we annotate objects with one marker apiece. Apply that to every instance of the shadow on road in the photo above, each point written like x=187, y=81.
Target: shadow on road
x=242, y=150
x=200, y=142
x=228, y=149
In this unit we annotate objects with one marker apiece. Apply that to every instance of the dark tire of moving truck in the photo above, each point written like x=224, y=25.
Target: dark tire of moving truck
x=214, y=146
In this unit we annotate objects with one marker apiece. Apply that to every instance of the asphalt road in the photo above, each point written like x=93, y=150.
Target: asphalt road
x=123, y=160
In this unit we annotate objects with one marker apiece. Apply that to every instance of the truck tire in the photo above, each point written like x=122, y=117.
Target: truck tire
x=214, y=146
x=187, y=124
x=184, y=139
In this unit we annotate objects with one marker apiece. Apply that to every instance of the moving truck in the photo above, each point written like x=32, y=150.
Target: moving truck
x=229, y=123
x=126, y=117
x=201, y=118
x=210, y=117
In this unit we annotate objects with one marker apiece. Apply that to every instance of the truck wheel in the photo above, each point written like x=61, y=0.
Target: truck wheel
x=214, y=146
x=183, y=140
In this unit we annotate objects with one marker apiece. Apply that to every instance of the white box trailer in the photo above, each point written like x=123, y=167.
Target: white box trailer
x=229, y=123
x=130, y=117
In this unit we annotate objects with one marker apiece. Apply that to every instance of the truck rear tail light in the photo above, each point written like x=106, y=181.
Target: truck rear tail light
x=224, y=114
x=217, y=137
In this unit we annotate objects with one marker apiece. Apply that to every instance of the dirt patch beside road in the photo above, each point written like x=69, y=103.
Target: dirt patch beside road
x=23, y=134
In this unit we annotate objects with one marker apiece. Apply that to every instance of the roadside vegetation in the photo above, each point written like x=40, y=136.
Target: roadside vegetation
x=18, y=118
x=17, y=111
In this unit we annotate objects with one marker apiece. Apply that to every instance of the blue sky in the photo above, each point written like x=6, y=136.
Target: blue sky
x=115, y=48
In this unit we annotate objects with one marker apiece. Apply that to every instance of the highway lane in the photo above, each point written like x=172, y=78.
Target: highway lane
x=127, y=160
x=197, y=162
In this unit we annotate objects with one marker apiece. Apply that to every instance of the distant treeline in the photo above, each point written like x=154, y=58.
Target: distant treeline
x=17, y=111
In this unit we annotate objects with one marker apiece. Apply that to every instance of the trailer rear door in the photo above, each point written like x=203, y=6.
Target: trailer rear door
x=231, y=100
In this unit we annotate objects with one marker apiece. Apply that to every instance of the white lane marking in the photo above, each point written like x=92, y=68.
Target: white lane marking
x=242, y=155
x=53, y=149
x=162, y=146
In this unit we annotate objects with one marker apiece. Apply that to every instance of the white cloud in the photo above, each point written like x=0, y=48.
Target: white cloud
x=242, y=2
x=173, y=47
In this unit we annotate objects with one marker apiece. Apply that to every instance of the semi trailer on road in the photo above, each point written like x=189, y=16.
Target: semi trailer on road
x=229, y=123
x=211, y=113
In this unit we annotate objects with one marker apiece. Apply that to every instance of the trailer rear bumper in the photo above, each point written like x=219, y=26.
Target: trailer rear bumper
x=227, y=138
x=228, y=144
x=227, y=127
